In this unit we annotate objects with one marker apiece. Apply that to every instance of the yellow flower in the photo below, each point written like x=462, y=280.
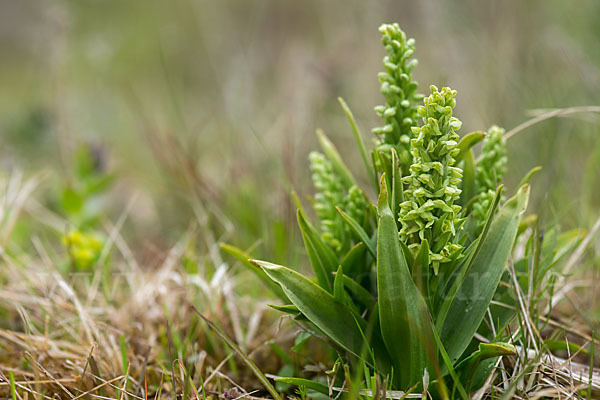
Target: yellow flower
x=83, y=248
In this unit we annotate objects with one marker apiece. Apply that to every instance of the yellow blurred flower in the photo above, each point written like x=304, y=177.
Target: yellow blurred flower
x=83, y=248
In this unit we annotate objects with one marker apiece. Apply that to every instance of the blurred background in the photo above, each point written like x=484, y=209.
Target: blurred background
x=207, y=110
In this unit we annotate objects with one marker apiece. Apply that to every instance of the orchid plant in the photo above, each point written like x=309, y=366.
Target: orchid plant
x=402, y=285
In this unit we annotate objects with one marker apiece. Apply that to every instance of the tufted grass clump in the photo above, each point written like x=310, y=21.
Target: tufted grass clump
x=403, y=283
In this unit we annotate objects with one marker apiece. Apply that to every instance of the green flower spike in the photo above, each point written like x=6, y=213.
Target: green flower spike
x=355, y=204
x=490, y=170
x=400, y=93
x=428, y=211
x=331, y=194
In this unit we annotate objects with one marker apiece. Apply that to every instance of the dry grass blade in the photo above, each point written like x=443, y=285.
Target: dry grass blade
x=560, y=112
x=257, y=372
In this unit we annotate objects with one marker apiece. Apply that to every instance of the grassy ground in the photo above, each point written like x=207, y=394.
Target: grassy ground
x=161, y=131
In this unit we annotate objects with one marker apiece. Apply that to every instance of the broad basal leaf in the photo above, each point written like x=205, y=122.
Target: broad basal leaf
x=244, y=259
x=321, y=257
x=472, y=300
x=328, y=314
x=403, y=314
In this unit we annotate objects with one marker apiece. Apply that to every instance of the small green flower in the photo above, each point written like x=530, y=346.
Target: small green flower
x=400, y=92
x=428, y=211
x=491, y=167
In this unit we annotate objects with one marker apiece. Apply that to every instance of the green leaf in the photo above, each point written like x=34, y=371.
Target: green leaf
x=467, y=142
x=244, y=259
x=328, y=314
x=316, y=386
x=489, y=350
x=300, y=340
x=528, y=221
x=403, y=314
x=408, y=256
x=469, y=186
x=336, y=160
x=397, y=190
x=286, y=371
x=72, y=202
x=456, y=283
x=470, y=367
x=451, y=370
x=377, y=164
x=470, y=304
x=362, y=295
x=386, y=166
x=99, y=185
x=420, y=267
x=354, y=262
x=360, y=232
x=288, y=308
x=562, y=345
x=338, y=285
x=359, y=141
x=529, y=175
x=566, y=242
x=296, y=200
x=322, y=258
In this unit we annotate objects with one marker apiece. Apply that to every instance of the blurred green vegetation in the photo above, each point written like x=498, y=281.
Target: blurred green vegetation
x=208, y=109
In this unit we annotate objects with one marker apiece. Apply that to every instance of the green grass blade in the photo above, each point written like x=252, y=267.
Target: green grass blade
x=257, y=372
x=451, y=370
x=191, y=382
x=124, y=358
x=322, y=258
x=13, y=390
x=591, y=373
x=328, y=314
x=244, y=259
x=359, y=141
x=468, y=307
x=403, y=315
